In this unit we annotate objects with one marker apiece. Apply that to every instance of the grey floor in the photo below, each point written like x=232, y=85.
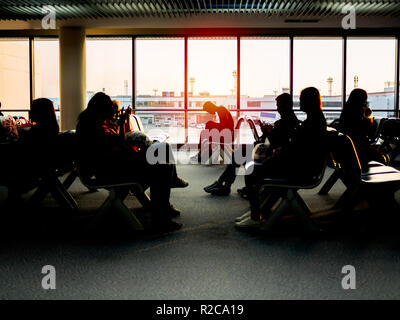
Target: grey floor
x=207, y=259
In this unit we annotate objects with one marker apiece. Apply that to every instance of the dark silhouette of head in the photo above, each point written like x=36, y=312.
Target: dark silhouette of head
x=42, y=113
x=284, y=104
x=356, y=104
x=99, y=108
x=310, y=101
x=210, y=107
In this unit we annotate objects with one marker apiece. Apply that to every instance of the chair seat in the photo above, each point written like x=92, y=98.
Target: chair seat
x=383, y=178
x=379, y=170
x=292, y=184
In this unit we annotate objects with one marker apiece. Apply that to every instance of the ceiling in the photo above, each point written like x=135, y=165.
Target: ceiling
x=100, y=9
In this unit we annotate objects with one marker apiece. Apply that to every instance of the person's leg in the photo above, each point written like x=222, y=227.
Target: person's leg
x=160, y=190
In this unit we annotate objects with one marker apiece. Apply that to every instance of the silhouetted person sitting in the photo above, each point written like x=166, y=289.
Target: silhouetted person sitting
x=278, y=136
x=356, y=121
x=36, y=153
x=297, y=161
x=225, y=123
x=106, y=154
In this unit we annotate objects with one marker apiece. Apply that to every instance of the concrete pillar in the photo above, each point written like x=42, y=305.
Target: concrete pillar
x=72, y=75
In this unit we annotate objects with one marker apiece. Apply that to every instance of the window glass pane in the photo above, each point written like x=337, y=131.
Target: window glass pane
x=264, y=71
x=160, y=72
x=317, y=62
x=371, y=66
x=47, y=70
x=164, y=123
x=109, y=69
x=160, y=84
x=212, y=69
x=14, y=74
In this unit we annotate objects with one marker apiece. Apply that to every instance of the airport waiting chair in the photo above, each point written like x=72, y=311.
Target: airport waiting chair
x=376, y=186
x=287, y=190
x=62, y=163
x=335, y=176
x=115, y=200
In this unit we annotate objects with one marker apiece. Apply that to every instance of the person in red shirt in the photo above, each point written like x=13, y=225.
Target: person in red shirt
x=225, y=123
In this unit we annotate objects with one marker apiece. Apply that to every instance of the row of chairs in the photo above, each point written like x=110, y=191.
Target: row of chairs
x=376, y=186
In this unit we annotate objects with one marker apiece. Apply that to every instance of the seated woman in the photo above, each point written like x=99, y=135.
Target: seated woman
x=297, y=161
x=106, y=153
x=278, y=136
x=356, y=121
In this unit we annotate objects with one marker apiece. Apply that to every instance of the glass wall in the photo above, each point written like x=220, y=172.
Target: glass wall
x=46, y=53
x=14, y=75
x=264, y=71
x=109, y=68
x=317, y=62
x=160, y=84
x=371, y=66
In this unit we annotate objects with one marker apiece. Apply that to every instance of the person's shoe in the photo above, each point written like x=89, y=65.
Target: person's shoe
x=243, y=216
x=221, y=191
x=212, y=186
x=243, y=192
x=248, y=223
x=179, y=183
x=166, y=225
x=173, y=212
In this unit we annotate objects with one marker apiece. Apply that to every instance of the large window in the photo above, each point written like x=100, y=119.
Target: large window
x=317, y=62
x=109, y=68
x=14, y=74
x=160, y=84
x=47, y=70
x=371, y=66
x=264, y=71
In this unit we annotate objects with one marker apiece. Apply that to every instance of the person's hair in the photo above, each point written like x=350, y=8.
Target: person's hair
x=43, y=114
x=99, y=108
x=354, y=106
x=285, y=102
x=310, y=100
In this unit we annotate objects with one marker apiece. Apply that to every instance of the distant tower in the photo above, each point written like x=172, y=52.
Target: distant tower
x=330, y=82
x=155, y=92
x=234, y=74
x=192, y=80
x=126, y=87
x=355, y=82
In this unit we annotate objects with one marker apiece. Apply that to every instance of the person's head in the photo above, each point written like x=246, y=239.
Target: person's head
x=42, y=113
x=357, y=103
x=310, y=101
x=284, y=104
x=100, y=107
x=210, y=107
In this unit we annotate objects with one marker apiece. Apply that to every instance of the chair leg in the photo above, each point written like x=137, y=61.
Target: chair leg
x=347, y=199
x=269, y=202
x=302, y=210
x=70, y=179
x=276, y=214
x=329, y=183
x=127, y=214
x=62, y=195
